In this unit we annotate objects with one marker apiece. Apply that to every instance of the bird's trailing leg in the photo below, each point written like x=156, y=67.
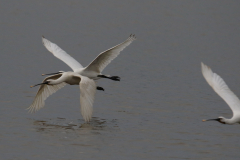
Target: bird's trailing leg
x=115, y=78
x=40, y=84
x=100, y=88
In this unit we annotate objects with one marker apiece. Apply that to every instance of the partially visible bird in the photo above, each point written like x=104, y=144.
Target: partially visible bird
x=221, y=88
x=84, y=77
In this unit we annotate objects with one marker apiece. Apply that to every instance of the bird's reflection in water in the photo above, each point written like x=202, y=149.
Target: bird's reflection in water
x=63, y=124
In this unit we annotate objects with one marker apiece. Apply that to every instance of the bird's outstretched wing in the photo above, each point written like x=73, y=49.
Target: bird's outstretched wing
x=87, y=94
x=104, y=58
x=44, y=92
x=221, y=88
x=61, y=54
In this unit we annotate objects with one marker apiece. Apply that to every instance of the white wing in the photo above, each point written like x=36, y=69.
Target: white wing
x=87, y=94
x=44, y=92
x=104, y=58
x=221, y=88
x=61, y=54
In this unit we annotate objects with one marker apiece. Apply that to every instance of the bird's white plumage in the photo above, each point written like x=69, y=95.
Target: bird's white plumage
x=44, y=92
x=104, y=58
x=87, y=94
x=61, y=54
x=221, y=88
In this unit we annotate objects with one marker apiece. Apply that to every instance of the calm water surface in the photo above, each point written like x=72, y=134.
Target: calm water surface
x=154, y=112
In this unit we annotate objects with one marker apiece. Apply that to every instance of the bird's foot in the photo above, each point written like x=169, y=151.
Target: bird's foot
x=115, y=78
x=100, y=88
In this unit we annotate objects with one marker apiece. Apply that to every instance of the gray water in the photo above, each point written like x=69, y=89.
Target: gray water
x=154, y=112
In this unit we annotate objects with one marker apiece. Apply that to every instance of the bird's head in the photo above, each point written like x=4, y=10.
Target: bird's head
x=46, y=82
x=219, y=119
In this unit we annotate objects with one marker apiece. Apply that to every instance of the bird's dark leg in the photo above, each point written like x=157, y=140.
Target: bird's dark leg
x=100, y=88
x=115, y=78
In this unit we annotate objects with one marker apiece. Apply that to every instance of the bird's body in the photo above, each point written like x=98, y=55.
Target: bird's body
x=70, y=78
x=221, y=88
x=82, y=76
x=88, y=73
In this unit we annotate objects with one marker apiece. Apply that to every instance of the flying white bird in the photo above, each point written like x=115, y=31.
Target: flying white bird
x=221, y=88
x=94, y=69
x=84, y=77
x=55, y=82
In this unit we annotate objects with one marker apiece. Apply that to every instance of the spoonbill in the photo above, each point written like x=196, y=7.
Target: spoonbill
x=221, y=88
x=84, y=77
x=94, y=69
x=55, y=82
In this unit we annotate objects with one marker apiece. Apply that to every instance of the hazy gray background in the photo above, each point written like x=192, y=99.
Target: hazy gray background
x=154, y=112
